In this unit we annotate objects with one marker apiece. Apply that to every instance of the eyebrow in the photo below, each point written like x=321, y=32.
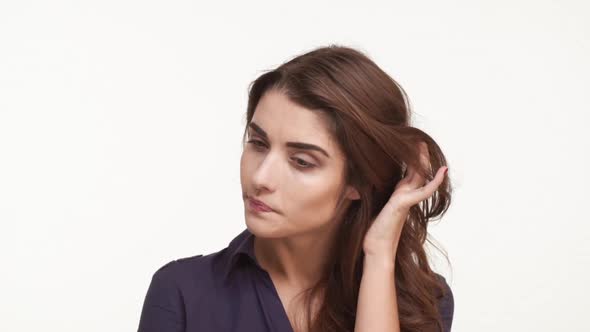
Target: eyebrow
x=296, y=145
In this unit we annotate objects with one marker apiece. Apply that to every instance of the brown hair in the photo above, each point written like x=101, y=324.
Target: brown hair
x=368, y=113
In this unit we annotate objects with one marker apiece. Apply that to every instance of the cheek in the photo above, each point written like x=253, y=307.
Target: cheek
x=311, y=202
x=244, y=171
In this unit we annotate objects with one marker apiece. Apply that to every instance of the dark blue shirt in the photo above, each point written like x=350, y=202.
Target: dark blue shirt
x=224, y=291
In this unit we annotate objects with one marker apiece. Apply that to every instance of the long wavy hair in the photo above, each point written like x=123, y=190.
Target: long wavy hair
x=368, y=114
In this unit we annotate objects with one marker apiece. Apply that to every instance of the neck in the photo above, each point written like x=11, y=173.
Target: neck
x=297, y=260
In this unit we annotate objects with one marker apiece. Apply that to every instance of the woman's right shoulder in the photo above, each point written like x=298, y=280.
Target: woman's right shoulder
x=164, y=301
x=179, y=268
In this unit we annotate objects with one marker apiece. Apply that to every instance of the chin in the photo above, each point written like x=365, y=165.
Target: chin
x=264, y=228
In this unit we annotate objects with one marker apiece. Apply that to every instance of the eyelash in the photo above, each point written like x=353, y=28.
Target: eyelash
x=259, y=144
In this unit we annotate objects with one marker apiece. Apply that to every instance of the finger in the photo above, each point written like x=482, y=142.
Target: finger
x=425, y=158
x=409, y=180
x=428, y=189
x=416, y=180
x=424, y=155
x=412, y=179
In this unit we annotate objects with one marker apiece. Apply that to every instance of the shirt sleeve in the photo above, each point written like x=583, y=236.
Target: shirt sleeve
x=163, y=307
x=446, y=305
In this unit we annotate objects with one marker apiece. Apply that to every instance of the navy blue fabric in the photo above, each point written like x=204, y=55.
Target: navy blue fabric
x=223, y=291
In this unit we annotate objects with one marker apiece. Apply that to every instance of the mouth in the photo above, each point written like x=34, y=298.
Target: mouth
x=258, y=206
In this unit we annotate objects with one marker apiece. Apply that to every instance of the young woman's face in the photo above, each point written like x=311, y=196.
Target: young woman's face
x=291, y=164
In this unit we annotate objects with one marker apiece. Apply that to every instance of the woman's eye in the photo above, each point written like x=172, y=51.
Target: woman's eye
x=300, y=162
x=256, y=143
x=303, y=163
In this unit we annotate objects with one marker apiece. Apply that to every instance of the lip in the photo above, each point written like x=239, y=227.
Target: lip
x=258, y=205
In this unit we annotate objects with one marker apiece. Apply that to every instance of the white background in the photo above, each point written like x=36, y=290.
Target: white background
x=120, y=128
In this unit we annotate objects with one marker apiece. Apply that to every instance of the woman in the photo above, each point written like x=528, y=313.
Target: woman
x=338, y=191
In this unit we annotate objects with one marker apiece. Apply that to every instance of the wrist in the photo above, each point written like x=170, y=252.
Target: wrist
x=381, y=247
x=381, y=261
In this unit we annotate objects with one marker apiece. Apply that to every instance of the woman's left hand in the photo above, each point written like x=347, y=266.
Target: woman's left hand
x=383, y=235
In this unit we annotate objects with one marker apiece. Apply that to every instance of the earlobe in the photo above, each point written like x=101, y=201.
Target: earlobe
x=352, y=193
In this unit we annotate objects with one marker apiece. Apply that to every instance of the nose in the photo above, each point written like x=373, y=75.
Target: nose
x=265, y=175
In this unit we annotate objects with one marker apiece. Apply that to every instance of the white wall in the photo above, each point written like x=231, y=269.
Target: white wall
x=120, y=128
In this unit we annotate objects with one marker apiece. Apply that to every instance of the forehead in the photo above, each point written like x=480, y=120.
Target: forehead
x=285, y=121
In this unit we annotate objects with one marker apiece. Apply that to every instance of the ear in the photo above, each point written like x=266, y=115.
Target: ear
x=352, y=193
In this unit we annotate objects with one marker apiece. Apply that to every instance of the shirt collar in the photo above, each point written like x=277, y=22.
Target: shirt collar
x=242, y=246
